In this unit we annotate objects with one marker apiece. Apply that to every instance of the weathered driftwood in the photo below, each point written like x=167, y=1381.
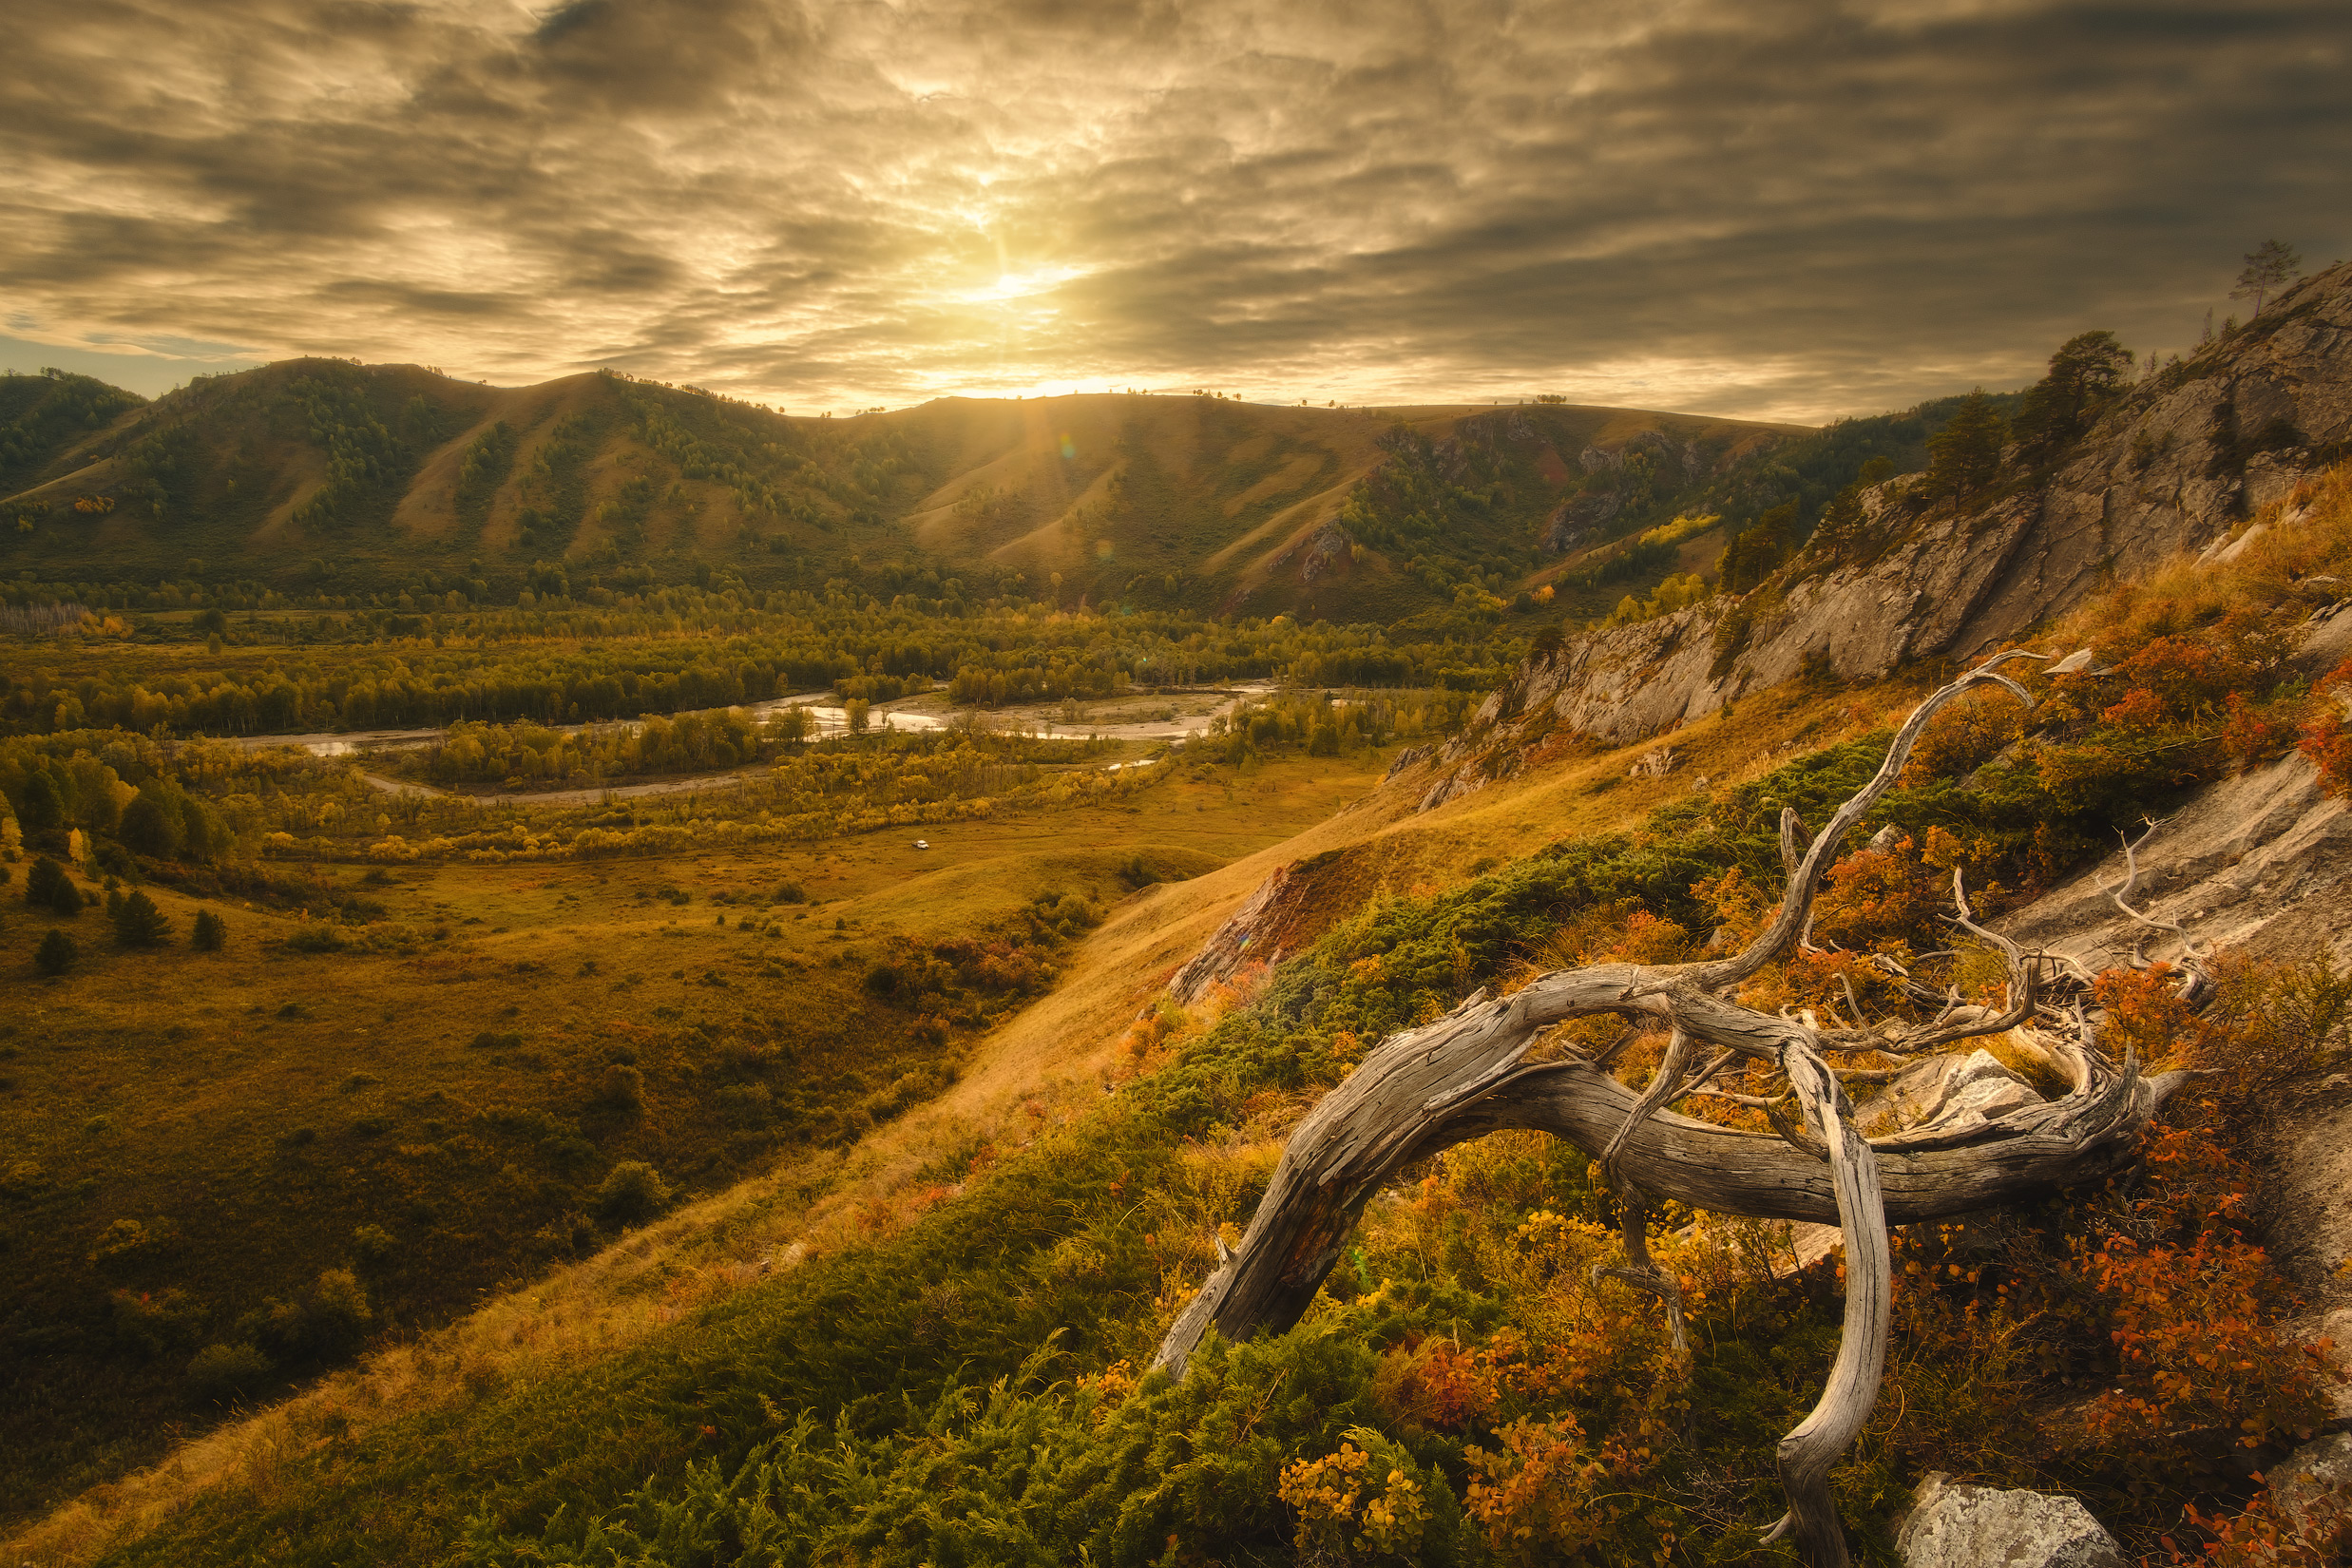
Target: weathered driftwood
x=1426, y=1089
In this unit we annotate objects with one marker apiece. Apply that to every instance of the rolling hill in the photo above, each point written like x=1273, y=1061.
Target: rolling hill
x=324, y=475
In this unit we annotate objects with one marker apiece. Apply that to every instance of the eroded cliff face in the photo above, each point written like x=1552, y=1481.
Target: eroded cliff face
x=2178, y=464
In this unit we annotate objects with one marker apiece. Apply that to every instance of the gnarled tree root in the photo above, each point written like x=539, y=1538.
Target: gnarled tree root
x=1423, y=1090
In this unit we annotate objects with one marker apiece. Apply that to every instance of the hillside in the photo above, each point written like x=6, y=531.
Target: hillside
x=1901, y=571
x=321, y=475
x=948, y=1171
x=44, y=417
x=1026, y=1207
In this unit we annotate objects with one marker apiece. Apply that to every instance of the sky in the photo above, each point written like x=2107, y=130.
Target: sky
x=1751, y=207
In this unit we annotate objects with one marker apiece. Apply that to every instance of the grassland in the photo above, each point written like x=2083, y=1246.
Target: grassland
x=254, y=1110
x=644, y=1308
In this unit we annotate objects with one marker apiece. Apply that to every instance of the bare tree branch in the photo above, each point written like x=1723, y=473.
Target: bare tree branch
x=1426, y=1089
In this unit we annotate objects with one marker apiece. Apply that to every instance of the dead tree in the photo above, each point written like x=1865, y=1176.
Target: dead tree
x=1426, y=1089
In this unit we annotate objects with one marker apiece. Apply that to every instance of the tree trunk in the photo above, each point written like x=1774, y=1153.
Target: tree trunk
x=1423, y=1090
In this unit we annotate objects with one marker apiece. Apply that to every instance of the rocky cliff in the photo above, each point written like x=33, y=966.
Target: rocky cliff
x=2179, y=462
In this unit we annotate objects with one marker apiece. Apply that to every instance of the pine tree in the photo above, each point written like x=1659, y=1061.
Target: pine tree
x=2268, y=266
x=48, y=886
x=139, y=924
x=1964, y=456
x=2089, y=368
x=55, y=955
x=210, y=932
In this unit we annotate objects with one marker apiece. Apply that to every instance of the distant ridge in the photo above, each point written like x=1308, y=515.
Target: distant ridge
x=389, y=477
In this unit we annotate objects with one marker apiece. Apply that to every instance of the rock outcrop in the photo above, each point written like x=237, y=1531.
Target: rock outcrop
x=1284, y=913
x=1954, y=1526
x=2313, y=1485
x=2176, y=465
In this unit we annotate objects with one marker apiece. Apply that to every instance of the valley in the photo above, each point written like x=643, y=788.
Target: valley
x=673, y=983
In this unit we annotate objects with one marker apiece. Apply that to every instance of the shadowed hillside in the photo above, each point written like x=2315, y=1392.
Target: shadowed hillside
x=322, y=475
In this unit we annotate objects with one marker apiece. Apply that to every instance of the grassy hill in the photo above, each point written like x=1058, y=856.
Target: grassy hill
x=423, y=1072
x=45, y=416
x=321, y=475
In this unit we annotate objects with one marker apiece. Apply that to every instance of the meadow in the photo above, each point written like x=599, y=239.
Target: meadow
x=412, y=1068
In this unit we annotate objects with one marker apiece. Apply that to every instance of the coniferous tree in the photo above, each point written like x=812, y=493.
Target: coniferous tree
x=40, y=807
x=55, y=955
x=1964, y=456
x=139, y=924
x=210, y=932
x=2268, y=267
x=2088, y=369
x=1756, y=552
x=48, y=886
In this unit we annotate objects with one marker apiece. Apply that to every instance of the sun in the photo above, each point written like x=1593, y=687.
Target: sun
x=1025, y=284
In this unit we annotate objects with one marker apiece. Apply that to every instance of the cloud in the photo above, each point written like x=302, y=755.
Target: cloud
x=1775, y=207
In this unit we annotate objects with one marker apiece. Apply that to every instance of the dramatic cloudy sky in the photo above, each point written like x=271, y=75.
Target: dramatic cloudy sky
x=1753, y=206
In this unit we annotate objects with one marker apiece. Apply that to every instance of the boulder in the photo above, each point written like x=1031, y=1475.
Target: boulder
x=1955, y=1525
x=2313, y=1485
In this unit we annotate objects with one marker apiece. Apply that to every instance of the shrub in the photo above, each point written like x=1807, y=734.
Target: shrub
x=139, y=924
x=1361, y=1504
x=210, y=932
x=219, y=1372
x=374, y=1246
x=631, y=1192
x=317, y=937
x=56, y=953
x=1547, y=1495
x=338, y=1314
x=622, y=1088
x=2327, y=736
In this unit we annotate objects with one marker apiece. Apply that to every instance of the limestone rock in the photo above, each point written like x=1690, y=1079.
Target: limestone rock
x=2313, y=1485
x=1287, y=911
x=1960, y=1526
x=2171, y=468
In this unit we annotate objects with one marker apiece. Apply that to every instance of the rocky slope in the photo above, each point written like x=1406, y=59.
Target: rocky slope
x=2181, y=461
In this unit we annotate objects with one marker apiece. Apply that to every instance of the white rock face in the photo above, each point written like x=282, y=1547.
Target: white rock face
x=1960, y=1526
x=2156, y=477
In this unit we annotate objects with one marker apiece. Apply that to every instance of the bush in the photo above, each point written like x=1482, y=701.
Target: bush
x=211, y=931
x=139, y=924
x=374, y=1246
x=56, y=953
x=317, y=938
x=632, y=1193
x=220, y=1372
x=48, y=887
x=338, y=1314
x=622, y=1088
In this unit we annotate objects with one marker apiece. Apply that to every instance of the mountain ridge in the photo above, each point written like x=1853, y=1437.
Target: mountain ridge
x=309, y=471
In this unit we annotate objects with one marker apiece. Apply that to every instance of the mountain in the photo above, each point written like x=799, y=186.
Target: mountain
x=325, y=475
x=2181, y=460
x=42, y=417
